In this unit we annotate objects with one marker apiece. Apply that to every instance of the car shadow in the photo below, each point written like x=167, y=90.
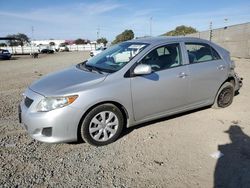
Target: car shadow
x=130, y=129
x=236, y=93
x=233, y=168
x=15, y=58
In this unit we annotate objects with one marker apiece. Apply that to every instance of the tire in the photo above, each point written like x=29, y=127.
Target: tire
x=102, y=125
x=224, y=96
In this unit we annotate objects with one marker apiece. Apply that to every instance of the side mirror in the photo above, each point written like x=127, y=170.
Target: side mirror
x=142, y=69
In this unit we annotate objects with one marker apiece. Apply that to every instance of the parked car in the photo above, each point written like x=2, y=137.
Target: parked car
x=5, y=54
x=97, y=51
x=47, y=51
x=63, y=48
x=128, y=84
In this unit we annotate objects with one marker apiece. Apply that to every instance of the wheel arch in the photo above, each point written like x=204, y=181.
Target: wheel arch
x=230, y=79
x=117, y=104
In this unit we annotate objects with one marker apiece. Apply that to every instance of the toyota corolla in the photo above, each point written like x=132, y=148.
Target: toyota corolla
x=128, y=84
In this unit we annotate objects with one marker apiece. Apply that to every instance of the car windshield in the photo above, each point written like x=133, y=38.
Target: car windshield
x=114, y=58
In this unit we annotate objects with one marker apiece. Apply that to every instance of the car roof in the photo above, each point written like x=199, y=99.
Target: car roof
x=165, y=39
x=162, y=39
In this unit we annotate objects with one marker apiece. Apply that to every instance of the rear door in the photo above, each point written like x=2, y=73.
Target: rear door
x=207, y=72
x=165, y=88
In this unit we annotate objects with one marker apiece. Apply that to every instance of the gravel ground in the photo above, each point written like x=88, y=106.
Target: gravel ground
x=171, y=152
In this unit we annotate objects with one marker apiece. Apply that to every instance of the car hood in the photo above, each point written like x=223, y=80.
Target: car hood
x=67, y=81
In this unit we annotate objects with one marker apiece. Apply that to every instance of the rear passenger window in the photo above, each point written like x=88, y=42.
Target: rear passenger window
x=163, y=57
x=198, y=52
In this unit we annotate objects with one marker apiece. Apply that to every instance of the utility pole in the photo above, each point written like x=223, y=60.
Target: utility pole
x=32, y=38
x=210, y=31
x=225, y=23
x=224, y=31
x=150, y=26
x=98, y=32
x=32, y=32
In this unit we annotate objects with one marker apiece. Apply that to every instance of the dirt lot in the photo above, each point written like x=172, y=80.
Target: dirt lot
x=171, y=152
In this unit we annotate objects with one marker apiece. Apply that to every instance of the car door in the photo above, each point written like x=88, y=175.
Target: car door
x=164, y=90
x=207, y=72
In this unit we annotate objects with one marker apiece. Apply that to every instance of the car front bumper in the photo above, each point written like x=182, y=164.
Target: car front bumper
x=59, y=125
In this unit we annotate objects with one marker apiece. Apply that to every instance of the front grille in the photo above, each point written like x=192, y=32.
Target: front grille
x=28, y=102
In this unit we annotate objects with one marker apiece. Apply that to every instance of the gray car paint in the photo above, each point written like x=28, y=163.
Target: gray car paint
x=143, y=98
x=66, y=81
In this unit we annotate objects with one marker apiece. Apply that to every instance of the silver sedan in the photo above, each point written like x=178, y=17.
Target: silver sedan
x=128, y=84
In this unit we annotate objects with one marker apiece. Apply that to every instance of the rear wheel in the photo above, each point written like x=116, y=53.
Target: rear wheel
x=225, y=96
x=102, y=125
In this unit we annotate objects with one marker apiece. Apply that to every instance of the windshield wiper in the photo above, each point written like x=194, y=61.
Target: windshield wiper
x=83, y=67
x=91, y=68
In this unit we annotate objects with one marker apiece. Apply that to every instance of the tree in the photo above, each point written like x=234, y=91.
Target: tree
x=80, y=41
x=102, y=40
x=181, y=30
x=3, y=44
x=124, y=36
x=21, y=39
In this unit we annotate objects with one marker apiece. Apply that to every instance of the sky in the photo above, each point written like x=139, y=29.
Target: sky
x=72, y=19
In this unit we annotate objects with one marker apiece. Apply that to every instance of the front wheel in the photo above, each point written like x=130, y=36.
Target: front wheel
x=225, y=96
x=102, y=125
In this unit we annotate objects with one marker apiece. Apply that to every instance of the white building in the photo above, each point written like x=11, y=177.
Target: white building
x=47, y=42
x=38, y=45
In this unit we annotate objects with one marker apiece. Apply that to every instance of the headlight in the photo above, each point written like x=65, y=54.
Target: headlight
x=51, y=103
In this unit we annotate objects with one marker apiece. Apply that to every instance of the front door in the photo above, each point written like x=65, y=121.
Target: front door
x=164, y=90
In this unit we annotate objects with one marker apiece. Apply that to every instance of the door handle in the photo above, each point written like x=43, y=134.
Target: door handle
x=182, y=75
x=221, y=67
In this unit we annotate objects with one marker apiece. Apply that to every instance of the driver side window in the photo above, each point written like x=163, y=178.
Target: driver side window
x=163, y=57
